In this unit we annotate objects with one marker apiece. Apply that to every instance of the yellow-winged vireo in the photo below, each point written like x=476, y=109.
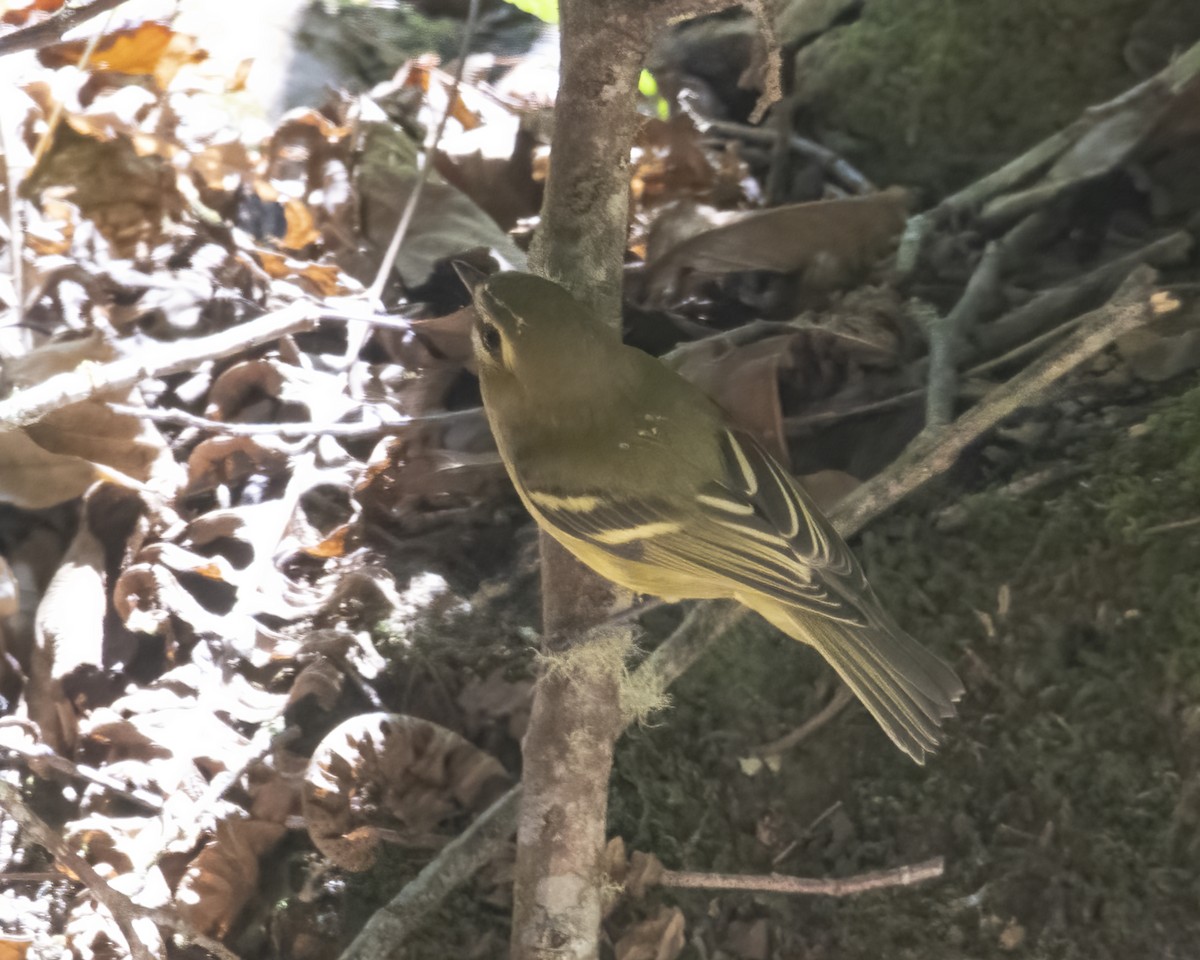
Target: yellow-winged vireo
x=641, y=476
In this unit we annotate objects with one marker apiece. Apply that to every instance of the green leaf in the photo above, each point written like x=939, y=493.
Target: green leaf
x=647, y=85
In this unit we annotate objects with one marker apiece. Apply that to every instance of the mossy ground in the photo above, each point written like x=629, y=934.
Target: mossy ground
x=1067, y=797
x=915, y=88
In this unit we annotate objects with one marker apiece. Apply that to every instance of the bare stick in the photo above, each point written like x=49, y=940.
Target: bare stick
x=461, y=858
x=832, y=887
x=51, y=31
x=42, y=758
x=426, y=164
x=837, y=703
x=89, y=379
x=948, y=333
x=830, y=161
x=124, y=911
x=1051, y=306
x=296, y=431
x=1132, y=306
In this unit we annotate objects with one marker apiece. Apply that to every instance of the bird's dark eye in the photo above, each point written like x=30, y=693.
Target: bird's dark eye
x=491, y=338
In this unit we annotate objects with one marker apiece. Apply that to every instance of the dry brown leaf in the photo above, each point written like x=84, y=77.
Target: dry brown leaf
x=749, y=939
x=380, y=771
x=224, y=876
x=149, y=49
x=33, y=478
x=93, y=431
x=20, y=15
x=14, y=948
x=322, y=279
x=497, y=698
x=744, y=380
x=644, y=871
x=830, y=242
x=322, y=680
x=69, y=628
x=658, y=938
x=670, y=162
x=230, y=460
x=57, y=356
x=301, y=229
x=127, y=196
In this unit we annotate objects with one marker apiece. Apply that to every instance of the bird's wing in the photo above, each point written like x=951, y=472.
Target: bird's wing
x=753, y=527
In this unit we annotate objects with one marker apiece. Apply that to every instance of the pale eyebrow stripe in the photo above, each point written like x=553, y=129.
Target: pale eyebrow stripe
x=549, y=501
x=643, y=531
x=728, y=506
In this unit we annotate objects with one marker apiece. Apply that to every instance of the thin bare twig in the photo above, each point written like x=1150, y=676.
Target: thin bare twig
x=822, y=887
x=830, y=161
x=124, y=911
x=296, y=431
x=1133, y=305
x=489, y=834
x=42, y=758
x=56, y=111
x=89, y=379
x=841, y=698
x=425, y=165
x=1173, y=525
x=51, y=30
x=947, y=335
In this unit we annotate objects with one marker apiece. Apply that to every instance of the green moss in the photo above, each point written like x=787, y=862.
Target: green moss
x=936, y=92
x=1061, y=799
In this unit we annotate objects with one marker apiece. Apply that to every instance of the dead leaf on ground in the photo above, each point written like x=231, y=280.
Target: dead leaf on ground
x=148, y=49
x=657, y=938
x=829, y=242
x=445, y=223
x=18, y=15
x=390, y=771
x=128, y=196
x=224, y=877
x=34, y=478
x=69, y=648
x=13, y=947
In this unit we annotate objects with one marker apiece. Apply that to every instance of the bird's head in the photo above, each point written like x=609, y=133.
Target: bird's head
x=529, y=330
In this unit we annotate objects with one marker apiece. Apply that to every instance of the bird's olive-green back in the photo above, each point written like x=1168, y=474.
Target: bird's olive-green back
x=572, y=406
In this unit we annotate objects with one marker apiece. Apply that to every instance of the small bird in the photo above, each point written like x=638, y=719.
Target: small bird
x=642, y=477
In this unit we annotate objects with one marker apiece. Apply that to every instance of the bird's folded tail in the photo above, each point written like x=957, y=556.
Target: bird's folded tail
x=904, y=686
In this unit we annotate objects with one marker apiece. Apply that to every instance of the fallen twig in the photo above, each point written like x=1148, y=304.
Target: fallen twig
x=124, y=911
x=823, y=887
x=52, y=29
x=1133, y=305
x=948, y=333
x=489, y=834
x=841, y=698
x=90, y=379
x=1141, y=99
x=1058, y=303
x=830, y=161
x=296, y=431
x=41, y=759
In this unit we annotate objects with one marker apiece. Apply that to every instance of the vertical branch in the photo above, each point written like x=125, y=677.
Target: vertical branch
x=576, y=713
x=585, y=215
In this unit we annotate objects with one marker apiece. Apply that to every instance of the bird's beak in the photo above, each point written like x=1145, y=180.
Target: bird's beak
x=470, y=276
